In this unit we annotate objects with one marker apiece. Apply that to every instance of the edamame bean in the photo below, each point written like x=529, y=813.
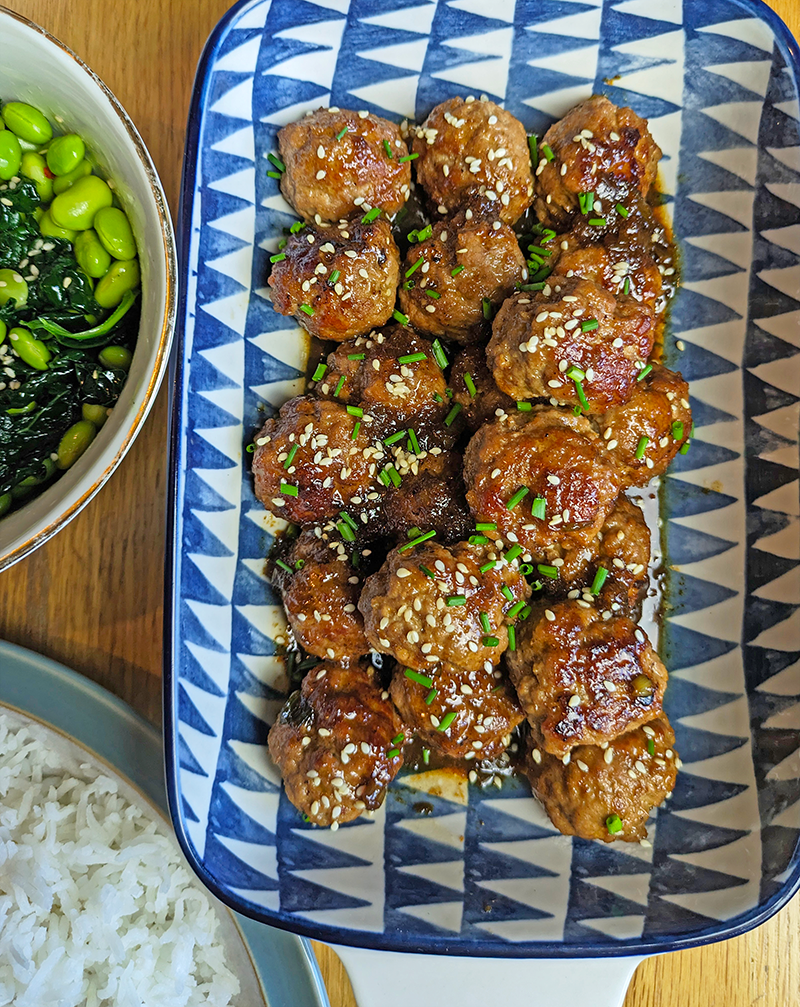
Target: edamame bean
x=30, y=350
x=5, y=503
x=3, y=331
x=77, y=206
x=115, y=356
x=121, y=277
x=50, y=228
x=34, y=166
x=65, y=153
x=114, y=231
x=93, y=259
x=95, y=414
x=27, y=122
x=12, y=286
x=64, y=182
x=10, y=155
x=74, y=442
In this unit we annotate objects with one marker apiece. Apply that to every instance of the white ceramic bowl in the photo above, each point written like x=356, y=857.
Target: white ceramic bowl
x=39, y=69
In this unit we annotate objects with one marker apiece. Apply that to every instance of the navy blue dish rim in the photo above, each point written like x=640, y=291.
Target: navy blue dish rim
x=654, y=944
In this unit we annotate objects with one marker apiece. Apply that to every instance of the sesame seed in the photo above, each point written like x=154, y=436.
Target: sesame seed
x=536, y=755
x=549, y=615
x=574, y=701
x=608, y=756
x=403, y=572
x=321, y=174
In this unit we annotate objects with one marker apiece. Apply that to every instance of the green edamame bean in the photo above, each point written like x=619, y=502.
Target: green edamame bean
x=77, y=206
x=5, y=503
x=94, y=414
x=64, y=182
x=2, y=124
x=3, y=331
x=74, y=442
x=65, y=153
x=27, y=122
x=115, y=356
x=12, y=286
x=50, y=228
x=30, y=350
x=34, y=166
x=10, y=155
x=121, y=277
x=114, y=231
x=93, y=259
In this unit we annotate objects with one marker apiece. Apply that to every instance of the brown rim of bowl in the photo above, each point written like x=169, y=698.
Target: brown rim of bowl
x=170, y=308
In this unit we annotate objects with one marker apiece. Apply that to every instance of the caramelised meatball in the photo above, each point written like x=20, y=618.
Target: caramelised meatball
x=474, y=148
x=321, y=597
x=475, y=389
x=550, y=455
x=332, y=743
x=573, y=341
x=459, y=275
x=484, y=705
x=599, y=148
x=623, y=781
x=643, y=435
x=583, y=679
x=338, y=281
x=327, y=468
x=337, y=162
x=431, y=499
x=392, y=375
x=430, y=605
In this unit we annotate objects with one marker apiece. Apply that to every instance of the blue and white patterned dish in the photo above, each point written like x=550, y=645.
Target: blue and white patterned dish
x=485, y=873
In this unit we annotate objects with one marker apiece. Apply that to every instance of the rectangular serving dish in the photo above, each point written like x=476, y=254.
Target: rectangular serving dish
x=485, y=873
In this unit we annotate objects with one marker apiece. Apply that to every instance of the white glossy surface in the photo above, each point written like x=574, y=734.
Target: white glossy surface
x=36, y=69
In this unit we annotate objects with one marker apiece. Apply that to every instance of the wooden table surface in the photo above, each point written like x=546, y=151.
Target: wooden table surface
x=92, y=596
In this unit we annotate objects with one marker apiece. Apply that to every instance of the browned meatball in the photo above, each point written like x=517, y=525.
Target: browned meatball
x=599, y=148
x=429, y=605
x=576, y=343
x=431, y=499
x=485, y=707
x=392, y=390
x=582, y=679
x=328, y=469
x=474, y=148
x=470, y=259
x=333, y=743
x=338, y=281
x=321, y=598
x=627, y=779
x=337, y=163
x=644, y=435
x=556, y=457
x=480, y=401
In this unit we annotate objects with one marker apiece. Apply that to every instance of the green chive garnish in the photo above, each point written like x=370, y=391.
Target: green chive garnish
x=531, y=286
x=644, y=372
x=490, y=641
x=339, y=387
x=527, y=610
x=426, y=752
x=348, y=519
x=398, y=738
x=486, y=626
x=486, y=526
x=433, y=293
x=585, y=201
x=614, y=824
x=319, y=373
x=539, y=507
x=598, y=221
x=626, y=286
x=431, y=696
x=581, y=396
x=640, y=448
x=439, y=355
x=307, y=309
x=478, y=540
x=274, y=174
x=407, y=157
x=447, y=720
x=288, y=489
x=388, y=149
x=599, y=580
x=506, y=592
x=490, y=565
x=384, y=478
x=425, y=233
x=512, y=638
x=486, y=304
x=412, y=436
x=547, y=571
x=398, y=316
x=297, y=226
x=685, y=448
x=356, y=356
x=283, y=566
x=415, y=267
x=371, y=215
x=513, y=552
x=454, y=600
x=341, y=133
x=417, y=541
x=277, y=258
x=290, y=457
x=427, y=572
x=473, y=391
x=355, y=411
x=533, y=144
x=356, y=430
x=589, y=324
x=392, y=753
x=418, y=677
x=451, y=416
x=412, y=358
x=526, y=569
x=518, y=497
x=346, y=531
x=515, y=609
x=540, y=251
x=677, y=430
x=651, y=746
x=250, y=448
x=277, y=162
x=524, y=407
x=622, y=210
x=393, y=474
x=395, y=437
x=548, y=153
x=282, y=244
x=334, y=277
x=575, y=373
x=457, y=270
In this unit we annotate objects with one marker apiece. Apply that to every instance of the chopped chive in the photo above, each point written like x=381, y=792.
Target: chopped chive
x=393, y=474
x=449, y=392
x=513, y=552
x=490, y=565
x=398, y=738
x=589, y=324
x=451, y=416
x=644, y=372
x=300, y=564
x=626, y=286
x=651, y=746
x=640, y=448
x=371, y=215
x=412, y=236
x=398, y=316
x=413, y=532
x=533, y=144
x=356, y=430
x=526, y=569
x=623, y=211
x=486, y=526
x=506, y=592
x=388, y=149
x=575, y=373
x=427, y=572
x=677, y=430
x=346, y=531
x=339, y=386
x=531, y=286
x=310, y=662
x=290, y=457
x=425, y=233
x=384, y=478
x=307, y=309
x=412, y=358
x=392, y=753
x=581, y=396
x=274, y=174
x=341, y=132
x=542, y=274
x=518, y=497
x=412, y=436
x=355, y=559
x=355, y=411
x=685, y=448
x=473, y=391
x=457, y=270
x=426, y=752
x=540, y=251
x=418, y=677
x=614, y=824
x=486, y=626
x=478, y=540
x=539, y=508
x=282, y=244
x=395, y=437
x=512, y=638
x=439, y=355
x=486, y=304
x=277, y=162
x=454, y=600
x=548, y=153
x=408, y=284
x=527, y=610
x=250, y=448
x=417, y=264
x=547, y=571
x=447, y=720
x=585, y=201
x=356, y=356
x=348, y=519
x=433, y=293
x=490, y=641
x=431, y=696
x=598, y=221
x=278, y=258
x=334, y=277
x=283, y=566
x=515, y=609
x=297, y=226
x=524, y=407
x=407, y=157
x=417, y=541
x=599, y=580
x=288, y=489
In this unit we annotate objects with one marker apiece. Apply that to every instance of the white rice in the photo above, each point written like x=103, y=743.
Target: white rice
x=96, y=906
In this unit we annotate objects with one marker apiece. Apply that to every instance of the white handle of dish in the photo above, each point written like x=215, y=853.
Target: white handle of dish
x=382, y=978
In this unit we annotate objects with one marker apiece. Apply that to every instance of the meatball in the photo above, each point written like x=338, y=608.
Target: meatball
x=321, y=598
x=643, y=435
x=392, y=389
x=574, y=342
x=583, y=679
x=485, y=707
x=338, y=281
x=431, y=499
x=514, y=463
x=598, y=148
x=429, y=605
x=480, y=401
x=339, y=162
x=327, y=469
x=474, y=148
x=460, y=274
x=607, y=793
x=334, y=744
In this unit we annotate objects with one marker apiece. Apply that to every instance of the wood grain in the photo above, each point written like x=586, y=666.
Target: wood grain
x=92, y=597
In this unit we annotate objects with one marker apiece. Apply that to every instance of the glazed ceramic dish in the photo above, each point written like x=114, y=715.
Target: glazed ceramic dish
x=485, y=873
x=39, y=69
